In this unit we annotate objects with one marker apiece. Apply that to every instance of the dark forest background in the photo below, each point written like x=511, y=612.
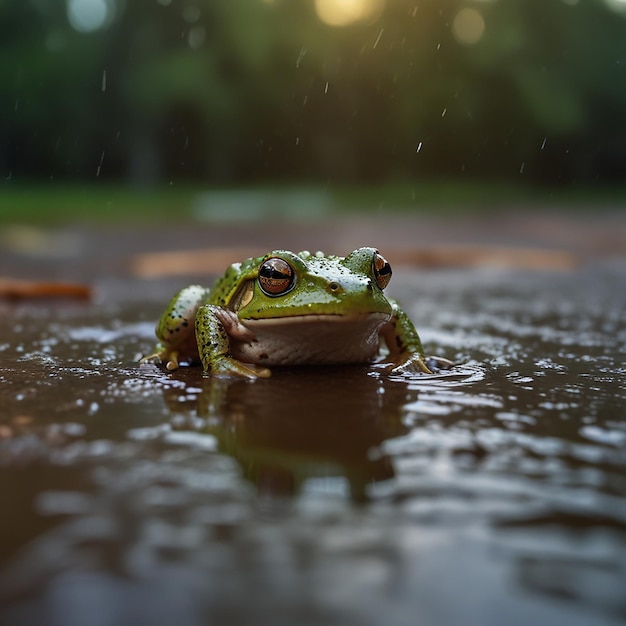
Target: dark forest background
x=234, y=91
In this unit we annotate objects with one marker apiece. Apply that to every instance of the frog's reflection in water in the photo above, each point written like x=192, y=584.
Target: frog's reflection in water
x=301, y=428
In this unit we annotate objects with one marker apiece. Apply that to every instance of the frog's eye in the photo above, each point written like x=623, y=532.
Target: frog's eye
x=276, y=277
x=382, y=270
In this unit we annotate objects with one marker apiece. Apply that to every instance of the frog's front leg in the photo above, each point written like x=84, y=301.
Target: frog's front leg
x=404, y=344
x=216, y=327
x=176, y=329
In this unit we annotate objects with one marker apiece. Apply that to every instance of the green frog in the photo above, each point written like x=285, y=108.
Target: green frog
x=289, y=309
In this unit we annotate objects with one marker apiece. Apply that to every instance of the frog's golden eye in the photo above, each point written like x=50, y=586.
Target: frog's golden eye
x=276, y=277
x=382, y=270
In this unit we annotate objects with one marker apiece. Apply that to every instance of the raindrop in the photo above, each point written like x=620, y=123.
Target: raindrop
x=543, y=143
x=419, y=147
x=301, y=54
x=104, y=80
x=443, y=113
x=100, y=164
x=380, y=34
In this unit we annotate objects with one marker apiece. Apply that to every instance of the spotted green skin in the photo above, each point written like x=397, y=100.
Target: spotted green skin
x=226, y=316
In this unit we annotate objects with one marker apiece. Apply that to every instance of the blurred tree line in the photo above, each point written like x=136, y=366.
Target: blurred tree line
x=225, y=91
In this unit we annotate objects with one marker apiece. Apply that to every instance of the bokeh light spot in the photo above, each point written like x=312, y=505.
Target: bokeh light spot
x=197, y=37
x=346, y=12
x=468, y=26
x=617, y=5
x=88, y=15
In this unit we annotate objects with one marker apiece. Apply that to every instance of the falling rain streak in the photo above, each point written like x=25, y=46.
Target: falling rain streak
x=380, y=34
x=300, y=57
x=104, y=81
x=100, y=165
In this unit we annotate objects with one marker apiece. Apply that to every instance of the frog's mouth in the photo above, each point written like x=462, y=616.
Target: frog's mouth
x=313, y=318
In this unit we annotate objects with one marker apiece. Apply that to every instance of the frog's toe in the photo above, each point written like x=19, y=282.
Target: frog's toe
x=232, y=368
x=172, y=363
x=411, y=363
x=170, y=358
x=150, y=359
x=425, y=364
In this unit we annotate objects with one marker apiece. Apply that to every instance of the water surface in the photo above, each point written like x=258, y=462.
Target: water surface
x=493, y=494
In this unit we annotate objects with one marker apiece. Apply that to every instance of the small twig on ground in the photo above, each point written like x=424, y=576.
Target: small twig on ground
x=12, y=289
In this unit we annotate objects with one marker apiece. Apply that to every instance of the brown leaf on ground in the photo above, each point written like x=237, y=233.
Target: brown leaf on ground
x=216, y=260
x=12, y=289
x=494, y=256
x=213, y=261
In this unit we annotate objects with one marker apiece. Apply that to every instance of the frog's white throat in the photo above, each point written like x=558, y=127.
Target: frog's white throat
x=310, y=339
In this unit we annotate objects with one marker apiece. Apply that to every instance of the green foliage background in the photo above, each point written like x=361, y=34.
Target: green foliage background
x=230, y=91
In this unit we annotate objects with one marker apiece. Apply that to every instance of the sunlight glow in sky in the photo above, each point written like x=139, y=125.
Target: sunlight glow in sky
x=346, y=12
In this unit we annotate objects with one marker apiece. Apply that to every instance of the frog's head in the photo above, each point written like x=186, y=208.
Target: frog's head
x=284, y=284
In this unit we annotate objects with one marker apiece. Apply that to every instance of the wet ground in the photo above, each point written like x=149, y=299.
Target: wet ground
x=494, y=494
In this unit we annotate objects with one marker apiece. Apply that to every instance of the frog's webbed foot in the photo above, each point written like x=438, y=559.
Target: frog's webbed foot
x=227, y=366
x=163, y=355
x=410, y=362
x=415, y=362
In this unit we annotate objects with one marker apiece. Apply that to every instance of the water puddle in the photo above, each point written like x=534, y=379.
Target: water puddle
x=323, y=495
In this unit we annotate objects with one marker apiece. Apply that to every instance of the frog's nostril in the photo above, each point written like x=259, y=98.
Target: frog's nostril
x=334, y=287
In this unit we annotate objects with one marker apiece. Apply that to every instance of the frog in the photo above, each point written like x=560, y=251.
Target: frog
x=289, y=309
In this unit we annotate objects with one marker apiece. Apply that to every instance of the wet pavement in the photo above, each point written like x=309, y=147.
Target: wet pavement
x=492, y=494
